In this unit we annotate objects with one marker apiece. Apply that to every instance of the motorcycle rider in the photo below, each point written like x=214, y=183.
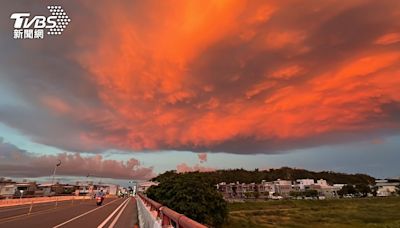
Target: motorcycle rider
x=101, y=195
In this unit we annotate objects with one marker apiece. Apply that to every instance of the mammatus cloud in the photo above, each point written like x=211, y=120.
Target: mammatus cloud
x=263, y=77
x=184, y=168
x=202, y=157
x=19, y=163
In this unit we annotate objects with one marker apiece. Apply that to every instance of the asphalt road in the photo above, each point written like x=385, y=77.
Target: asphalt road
x=118, y=213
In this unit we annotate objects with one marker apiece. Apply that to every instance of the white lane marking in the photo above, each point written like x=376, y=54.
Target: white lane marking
x=74, y=218
x=112, y=214
x=118, y=215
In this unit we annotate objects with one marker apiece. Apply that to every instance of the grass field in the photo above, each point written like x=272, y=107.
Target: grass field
x=364, y=212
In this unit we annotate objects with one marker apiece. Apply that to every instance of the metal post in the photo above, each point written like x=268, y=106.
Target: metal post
x=30, y=208
x=54, y=174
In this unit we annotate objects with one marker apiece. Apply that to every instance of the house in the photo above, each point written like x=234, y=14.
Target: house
x=386, y=187
x=322, y=183
x=282, y=187
x=233, y=190
x=7, y=188
x=304, y=184
x=84, y=187
x=142, y=187
x=109, y=189
x=112, y=189
x=277, y=189
x=25, y=189
x=8, y=191
x=266, y=188
x=329, y=191
x=55, y=189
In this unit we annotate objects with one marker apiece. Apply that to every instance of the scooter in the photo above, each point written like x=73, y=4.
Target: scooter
x=99, y=200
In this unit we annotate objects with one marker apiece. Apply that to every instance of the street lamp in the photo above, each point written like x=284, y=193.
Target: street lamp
x=21, y=192
x=54, y=172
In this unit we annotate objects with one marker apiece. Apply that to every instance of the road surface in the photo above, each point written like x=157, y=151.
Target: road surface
x=118, y=213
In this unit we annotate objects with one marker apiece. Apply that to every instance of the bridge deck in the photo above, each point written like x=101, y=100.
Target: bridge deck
x=120, y=212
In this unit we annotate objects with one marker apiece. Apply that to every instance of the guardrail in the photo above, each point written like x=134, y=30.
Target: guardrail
x=170, y=217
x=22, y=201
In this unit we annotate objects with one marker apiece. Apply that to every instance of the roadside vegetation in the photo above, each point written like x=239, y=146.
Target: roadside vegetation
x=192, y=196
x=196, y=196
x=356, y=212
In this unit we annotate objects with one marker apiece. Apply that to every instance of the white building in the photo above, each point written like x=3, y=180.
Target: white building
x=8, y=191
x=266, y=187
x=7, y=187
x=386, y=187
x=304, y=183
x=142, y=187
x=282, y=187
x=322, y=183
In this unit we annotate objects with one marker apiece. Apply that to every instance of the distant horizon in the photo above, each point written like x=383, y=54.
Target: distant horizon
x=125, y=182
x=130, y=89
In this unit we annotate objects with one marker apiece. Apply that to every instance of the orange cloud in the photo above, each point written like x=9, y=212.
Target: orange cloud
x=157, y=79
x=389, y=38
x=234, y=76
x=184, y=168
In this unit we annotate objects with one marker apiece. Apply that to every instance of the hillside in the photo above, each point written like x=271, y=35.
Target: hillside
x=247, y=176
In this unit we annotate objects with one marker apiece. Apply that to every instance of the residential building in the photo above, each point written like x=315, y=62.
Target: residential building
x=143, y=186
x=281, y=188
x=7, y=188
x=304, y=184
x=8, y=191
x=25, y=189
x=386, y=187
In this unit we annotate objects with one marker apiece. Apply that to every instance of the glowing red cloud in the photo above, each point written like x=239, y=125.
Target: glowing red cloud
x=219, y=74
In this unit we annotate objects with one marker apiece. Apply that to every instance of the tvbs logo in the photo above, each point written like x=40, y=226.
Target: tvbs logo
x=27, y=27
x=22, y=21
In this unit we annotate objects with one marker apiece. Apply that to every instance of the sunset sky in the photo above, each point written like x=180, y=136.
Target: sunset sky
x=133, y=88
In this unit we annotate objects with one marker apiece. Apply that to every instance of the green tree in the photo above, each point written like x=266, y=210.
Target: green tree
x=374, y=190
x=193, y=196
x=347, y=190
x=275, y=194
x=256, y=176
x=363, y=189
x=295, y=194
x=310, y=193
x=249, y=194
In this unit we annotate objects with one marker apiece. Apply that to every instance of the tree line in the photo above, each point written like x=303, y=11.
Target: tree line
x=284, y=173
x=195, y=195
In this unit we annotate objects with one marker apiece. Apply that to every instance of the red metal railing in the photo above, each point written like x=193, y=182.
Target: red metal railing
x=170, y=217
